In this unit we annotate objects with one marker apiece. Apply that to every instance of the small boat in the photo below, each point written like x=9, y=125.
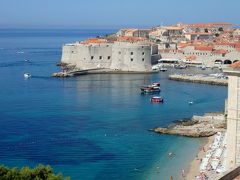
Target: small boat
x=19, y=52
x=156, y=99
x=27, y=75
x=153, y=88
x=203, y=67
x=163, y=69
x=26, y=60
x=190, y=102
x=180, y=66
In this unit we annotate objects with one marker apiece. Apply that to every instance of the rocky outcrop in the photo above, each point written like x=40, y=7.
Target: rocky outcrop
x=198, y=126
x=61, y=74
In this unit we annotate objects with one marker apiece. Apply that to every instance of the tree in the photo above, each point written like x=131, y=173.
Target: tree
x=38, y=173
x=220, y=29
x=216, y=34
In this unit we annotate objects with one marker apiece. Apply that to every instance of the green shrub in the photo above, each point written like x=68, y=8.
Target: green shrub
x=38, y=173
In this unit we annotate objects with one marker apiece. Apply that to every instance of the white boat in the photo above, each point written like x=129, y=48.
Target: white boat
x=27, y=75
x=190, y=102
x=203, y=67
x=163, y=69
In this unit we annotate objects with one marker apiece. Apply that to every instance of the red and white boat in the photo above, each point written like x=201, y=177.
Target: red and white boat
x=157, y=99
x=153, y=88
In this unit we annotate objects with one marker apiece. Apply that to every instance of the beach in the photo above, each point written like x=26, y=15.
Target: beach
x=193, y=169
x=210, y=162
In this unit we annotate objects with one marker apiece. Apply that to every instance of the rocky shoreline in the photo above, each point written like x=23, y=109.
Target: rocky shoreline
x=199, y=79
x=198, y=126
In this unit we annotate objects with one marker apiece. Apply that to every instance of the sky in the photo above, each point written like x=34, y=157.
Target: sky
x=105, y=14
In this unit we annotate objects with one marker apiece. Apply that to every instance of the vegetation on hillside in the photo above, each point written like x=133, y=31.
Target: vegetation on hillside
x=38, y=173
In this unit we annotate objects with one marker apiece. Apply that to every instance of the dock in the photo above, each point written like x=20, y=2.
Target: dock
x=98, y=71
x=199, y=79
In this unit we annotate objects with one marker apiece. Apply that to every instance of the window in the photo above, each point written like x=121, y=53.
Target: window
x=100, y=57
x=131, y=53
x=92, y=57
x=119, y=52
x=109, y=57
x=143, y=53
x=131, y=59
x=142, y=59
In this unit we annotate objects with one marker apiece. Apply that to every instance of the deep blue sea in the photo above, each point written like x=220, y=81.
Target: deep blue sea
x=92, y=126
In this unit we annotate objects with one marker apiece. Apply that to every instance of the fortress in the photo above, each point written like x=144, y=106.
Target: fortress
x=130, y=54
x=136, y=50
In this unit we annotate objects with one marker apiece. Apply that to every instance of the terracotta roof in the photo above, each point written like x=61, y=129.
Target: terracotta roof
x=201, y=25
x=93, y=40
x=154, y=32
x=220, y=51
x=191, y=57
x=235, y=65
x=130, y=38
x=173, y=28
x=220, y=23
x=200, y=33
x=145, y=29
x=204, y=48
x=129, y=30
x=198, y=25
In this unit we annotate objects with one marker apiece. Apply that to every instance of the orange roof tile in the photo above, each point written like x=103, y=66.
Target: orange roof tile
x=220, y=51
x=93, y=40
x=191, y=57
x=220, y=23
x=173, y=28
x=204, y=48
x=154, y=32
x=130, y=38
x=200, y=33
x=235, y=65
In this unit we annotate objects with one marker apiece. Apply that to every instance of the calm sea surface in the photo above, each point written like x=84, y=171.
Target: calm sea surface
x=92, y=126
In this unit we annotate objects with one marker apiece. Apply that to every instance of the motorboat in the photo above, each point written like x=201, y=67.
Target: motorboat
x=27, y=75
x=190, y=102
x=179, y=66
x=156, y=99
x=153, y=88
x=163, y=69
x=203, y=67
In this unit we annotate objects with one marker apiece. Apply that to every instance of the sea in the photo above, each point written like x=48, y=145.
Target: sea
x=92, y=126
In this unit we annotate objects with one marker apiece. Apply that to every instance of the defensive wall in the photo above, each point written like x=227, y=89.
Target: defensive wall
x=120, y=56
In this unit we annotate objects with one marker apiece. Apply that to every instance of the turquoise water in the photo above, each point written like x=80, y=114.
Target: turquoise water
x=92, y=126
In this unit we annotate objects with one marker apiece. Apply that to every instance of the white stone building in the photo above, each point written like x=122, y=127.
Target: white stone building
x=126, y=54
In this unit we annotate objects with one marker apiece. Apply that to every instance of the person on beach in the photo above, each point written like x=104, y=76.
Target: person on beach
x=183, y=173
x=197, y=157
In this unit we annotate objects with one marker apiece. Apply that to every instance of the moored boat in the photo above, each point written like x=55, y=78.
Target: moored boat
x=153, y=88
x=157, y=99
x=163, y=69
x=27, y=75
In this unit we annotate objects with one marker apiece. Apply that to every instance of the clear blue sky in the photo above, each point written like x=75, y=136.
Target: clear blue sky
x=114, y=13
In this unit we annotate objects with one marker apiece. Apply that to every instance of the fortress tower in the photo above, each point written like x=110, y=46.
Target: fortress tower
x=233, y=116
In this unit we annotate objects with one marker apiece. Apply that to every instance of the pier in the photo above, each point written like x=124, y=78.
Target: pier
x=199, y=79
